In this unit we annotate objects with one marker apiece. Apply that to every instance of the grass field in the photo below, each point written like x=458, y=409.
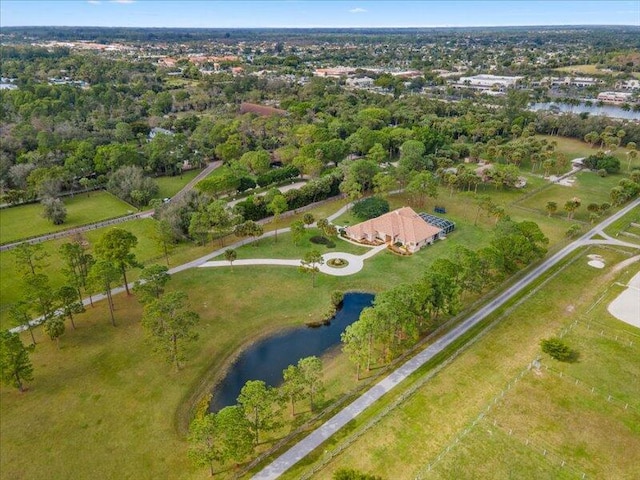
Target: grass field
x=122, y=411
x=146, y=252
x=588, y=187
x=586, y=69
x=575, y=148
x=169, y=186
x=81, y=209
x=463, y=424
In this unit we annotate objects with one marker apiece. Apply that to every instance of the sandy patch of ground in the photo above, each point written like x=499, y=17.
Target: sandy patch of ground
x=626, y=306
x=595, y=261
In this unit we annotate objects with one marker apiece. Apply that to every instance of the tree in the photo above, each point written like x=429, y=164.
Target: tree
x=102, y=277
x=558, y=350
x=152, y=281
x=15, y=365
x=164, y=237
x=412, y=156
x=130, y=184
x=292, y=387
x=308, y=219
x=54, y=328
x=311, y=375
x=277, y=205
x=573, y=231
x=78, y=263
x=311, y=264
x=423, y=185
x=199, y=226
x=19, y=315
x=40, y=295
x=571, y=206
x=220, y=219
x=230, y=256
x=220, y=437
x=54, y=210
x=169, y=323
x=383, y=183
x=115, y=246
x=259, y=403
x=29, y=257
x=517, y=244
x=371, y=207
x=249, y=229
x=297, y=231
x=69, y=303
x=552, y=207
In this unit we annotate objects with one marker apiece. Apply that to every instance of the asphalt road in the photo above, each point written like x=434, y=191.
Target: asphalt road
x=322, y=433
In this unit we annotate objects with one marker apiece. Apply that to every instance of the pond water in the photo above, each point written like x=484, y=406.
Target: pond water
x=612, y=111
x=266, y=359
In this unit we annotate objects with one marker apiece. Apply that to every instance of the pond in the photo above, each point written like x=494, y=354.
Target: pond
x=266, y=359
x=612, y=111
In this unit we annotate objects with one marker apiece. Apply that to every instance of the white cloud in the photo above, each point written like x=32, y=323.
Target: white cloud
x=357, y=10
x=122, y=1
x=93, y=2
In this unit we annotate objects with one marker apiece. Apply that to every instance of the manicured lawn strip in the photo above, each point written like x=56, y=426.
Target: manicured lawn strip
x=285, y=248
x=431, y=418
x=26, y=220
x=169, y=186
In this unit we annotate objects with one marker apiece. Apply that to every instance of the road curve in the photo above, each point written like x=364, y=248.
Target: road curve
x=331, y=426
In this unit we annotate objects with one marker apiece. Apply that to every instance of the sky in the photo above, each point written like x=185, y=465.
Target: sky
x=316, y=13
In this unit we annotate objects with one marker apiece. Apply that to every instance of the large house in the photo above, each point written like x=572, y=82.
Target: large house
x=402, y=226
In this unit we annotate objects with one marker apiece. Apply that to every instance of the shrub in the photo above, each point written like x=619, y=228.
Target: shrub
x=320, y=240
x=277, y=175
x=559, y=350
x=245, y=183
x=337, y=297
x=609, y=163
x=370, y=208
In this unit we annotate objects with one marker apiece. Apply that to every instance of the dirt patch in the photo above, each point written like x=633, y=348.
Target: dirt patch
x=626, y=306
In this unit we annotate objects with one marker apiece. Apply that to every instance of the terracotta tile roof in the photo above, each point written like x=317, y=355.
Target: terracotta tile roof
x=402, y=225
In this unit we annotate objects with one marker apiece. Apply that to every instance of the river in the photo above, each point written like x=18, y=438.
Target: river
x=612, y=111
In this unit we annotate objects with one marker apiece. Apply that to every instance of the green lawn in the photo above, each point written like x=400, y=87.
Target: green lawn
x=575, y=148
x=10, y=278
x=541, y=412
x=285, y=248
x=590, y=69
x=26, y=220
x=169, y=186
x=106, y=386
x=588, y=187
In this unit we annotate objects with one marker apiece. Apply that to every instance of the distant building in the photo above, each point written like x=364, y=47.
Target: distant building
x=488, y=82
x=615, y=97
x=629, y=85
x=364, y=82
x=335, y=72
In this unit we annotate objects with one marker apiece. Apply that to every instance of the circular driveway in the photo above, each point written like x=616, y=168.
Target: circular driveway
x=355, y=264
